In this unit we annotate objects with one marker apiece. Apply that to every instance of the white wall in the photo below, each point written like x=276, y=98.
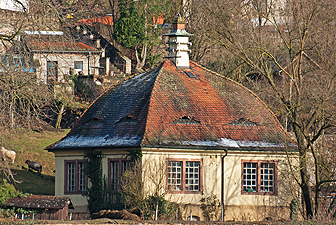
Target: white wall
x=238, y=206
x=65, y=62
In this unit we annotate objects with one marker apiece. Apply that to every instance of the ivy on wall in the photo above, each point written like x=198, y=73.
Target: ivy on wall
x=135, y=155
x=99, y=195
x=93, y=170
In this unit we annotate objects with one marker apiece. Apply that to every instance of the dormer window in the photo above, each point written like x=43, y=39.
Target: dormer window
x=93, y=125
x=243, y=122
x=187, y=120
x=127, y=119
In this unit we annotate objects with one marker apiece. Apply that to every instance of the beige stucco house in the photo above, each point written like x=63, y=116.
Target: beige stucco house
x=200, y=134
x=56, y=56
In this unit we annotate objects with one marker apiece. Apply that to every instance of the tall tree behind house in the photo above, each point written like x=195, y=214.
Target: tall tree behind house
x=268, y=46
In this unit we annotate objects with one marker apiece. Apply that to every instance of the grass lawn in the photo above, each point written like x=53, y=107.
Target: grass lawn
x=29, y=145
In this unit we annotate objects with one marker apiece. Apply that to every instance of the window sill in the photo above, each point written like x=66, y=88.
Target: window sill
x=75, y=192
x=259, y=193
x=184, y=192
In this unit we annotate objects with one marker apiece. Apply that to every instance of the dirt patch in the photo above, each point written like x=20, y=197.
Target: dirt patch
x=115, y=214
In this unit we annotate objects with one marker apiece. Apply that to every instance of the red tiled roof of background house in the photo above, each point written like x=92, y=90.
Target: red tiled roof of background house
x=56, y=43
x=104, y=20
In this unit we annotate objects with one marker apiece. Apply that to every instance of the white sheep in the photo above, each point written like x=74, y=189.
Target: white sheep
x=7, y=154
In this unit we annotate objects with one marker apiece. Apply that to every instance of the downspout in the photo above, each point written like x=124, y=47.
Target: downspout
x=89, y=63
x=222, y=184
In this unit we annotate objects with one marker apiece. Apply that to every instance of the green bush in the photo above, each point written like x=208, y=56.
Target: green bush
x=8, y=191
x=166, y=209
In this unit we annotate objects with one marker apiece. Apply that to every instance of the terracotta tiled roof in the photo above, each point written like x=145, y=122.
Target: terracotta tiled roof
x=105, y=20
x=174, y=107
x=55, y=43
x=39, y=202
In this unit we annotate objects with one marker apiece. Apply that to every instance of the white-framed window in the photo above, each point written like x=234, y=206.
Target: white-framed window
x=259, y=177
x=78, y=65
x=184, y=175
x=175, y=175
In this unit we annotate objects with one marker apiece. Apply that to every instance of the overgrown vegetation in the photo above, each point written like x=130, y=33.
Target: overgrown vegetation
x=210, y=206
x=93, y=170
x=158, y=206
x=131, y=195
x=8, y=191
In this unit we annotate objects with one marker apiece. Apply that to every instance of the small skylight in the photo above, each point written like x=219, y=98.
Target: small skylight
x=127, y=119
x=190, y=74
x=187, y=120
x=243, y=122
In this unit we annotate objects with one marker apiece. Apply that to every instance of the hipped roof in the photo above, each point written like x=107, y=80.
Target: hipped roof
x=172, y=107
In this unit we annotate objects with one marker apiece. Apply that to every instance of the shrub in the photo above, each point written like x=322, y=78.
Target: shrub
x=210, y=206
x=8, y=191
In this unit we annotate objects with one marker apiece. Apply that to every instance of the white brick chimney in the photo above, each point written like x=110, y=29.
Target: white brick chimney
x=179, y=44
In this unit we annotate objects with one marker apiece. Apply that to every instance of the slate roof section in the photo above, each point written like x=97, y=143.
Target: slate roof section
x=166, y=108
x=39, y=202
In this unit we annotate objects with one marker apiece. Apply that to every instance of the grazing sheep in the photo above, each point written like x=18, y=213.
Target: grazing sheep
x=8, y=154
x=34, y=166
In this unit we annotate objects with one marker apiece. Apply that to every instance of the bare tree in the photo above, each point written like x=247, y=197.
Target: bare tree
x=285, y=47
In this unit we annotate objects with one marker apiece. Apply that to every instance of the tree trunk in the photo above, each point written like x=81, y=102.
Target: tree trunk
x=143, y=56
x=137, y=67
x=303, y=171
x=11, y=111
x=305, y=188
x=59, y=117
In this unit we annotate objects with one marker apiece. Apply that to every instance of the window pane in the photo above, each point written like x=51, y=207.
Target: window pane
x=126, y=165
x=249, y=177
x=115, y=175
x=71, y=168
x=192, y=176
x=52, y=71
x=267, y=180
x=82, y=177
x=174, y=172
x=78, y=65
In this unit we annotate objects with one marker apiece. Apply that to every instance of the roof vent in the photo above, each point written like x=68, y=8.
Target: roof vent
x=93, y=124
x=187, y=120
x=243, y=122
x=127, y=119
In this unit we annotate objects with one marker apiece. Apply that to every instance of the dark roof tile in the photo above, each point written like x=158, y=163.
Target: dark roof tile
x=39, y=202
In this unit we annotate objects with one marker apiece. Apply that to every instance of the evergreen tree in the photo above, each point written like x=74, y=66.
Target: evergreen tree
x=130, y=30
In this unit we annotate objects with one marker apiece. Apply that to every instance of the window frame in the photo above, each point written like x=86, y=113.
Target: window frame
x=183, y=173
x=66, y=176
x=51, y=76
x=79, y=63
x=120, y=173
x=275, y=175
